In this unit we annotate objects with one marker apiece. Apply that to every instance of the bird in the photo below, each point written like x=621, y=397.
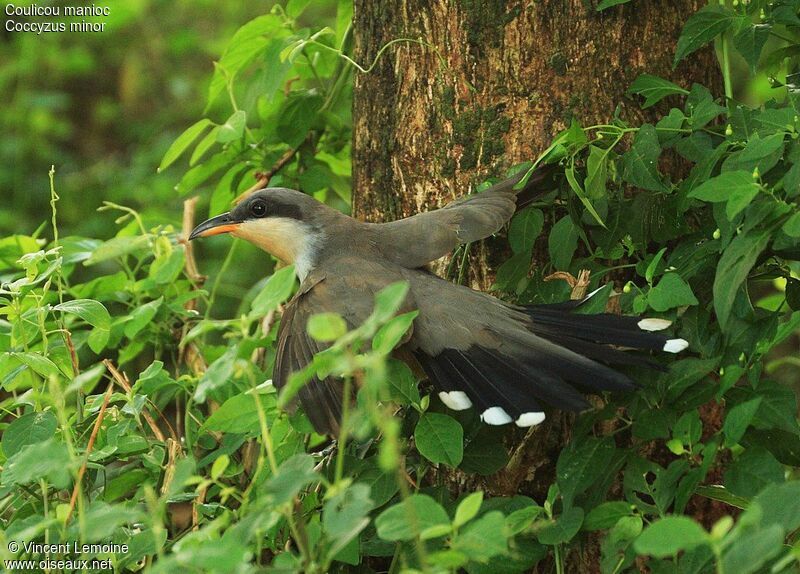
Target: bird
x=508, y=361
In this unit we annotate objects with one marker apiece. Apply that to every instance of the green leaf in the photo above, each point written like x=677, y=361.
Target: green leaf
x=685, y=373
x=240, y=413
x=440, y=439
x=46, y=459
x=39, y=364
x=738, y=419
x=233, y=128
x=142, y=316
x=735, y=187
x=519, y=520
x=401, y=383
x=754, y=470
x=733, y=268
x=485, y=454
x=576, y=187
x=484, y=538
x=468, y=509
x=388, y=300
x=91, y=311
x=761, y=153
x=606, y=515
x=205, y=144
x=596, y=174
x=390, y=334
x=654, y=89
x=563, y=529
x=606, y=4
x=28, y=429
x=182, y=142
x=295, y=8
x=409, y=518
x=117, y=247
x=293, y=475
x=792, y=225
x=701, y=28
x=218, y=374
x=753, y=549
x=524, y=229
x=219, y=466
x=562, y=243
x=640, y=163
x=749, y=41
x=345, y=515
x=277, y=290
x=780, y=504
x=326, y=326
x=581, y=464
x=670, y=292
x=669, y=536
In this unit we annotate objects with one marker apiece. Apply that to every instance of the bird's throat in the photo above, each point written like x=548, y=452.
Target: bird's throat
x=290, y=240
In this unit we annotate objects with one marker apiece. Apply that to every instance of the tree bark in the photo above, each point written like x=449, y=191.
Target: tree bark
x=496, y=81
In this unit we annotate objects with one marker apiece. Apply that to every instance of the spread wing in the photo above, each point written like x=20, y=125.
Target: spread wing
x=343, y=290
x=414, y=241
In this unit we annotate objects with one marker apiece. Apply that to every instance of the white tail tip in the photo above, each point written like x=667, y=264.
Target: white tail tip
x=456, y=400
x=529, y=419
x=654, y=324
x=495, y=416
x=675, y=345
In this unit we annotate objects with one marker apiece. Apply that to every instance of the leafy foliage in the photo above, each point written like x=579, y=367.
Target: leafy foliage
x=196, y=463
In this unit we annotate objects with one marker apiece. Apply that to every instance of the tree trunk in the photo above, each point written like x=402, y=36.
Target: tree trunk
x=495, y=82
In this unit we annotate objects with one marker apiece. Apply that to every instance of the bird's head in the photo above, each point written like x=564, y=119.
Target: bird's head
x=283, y=222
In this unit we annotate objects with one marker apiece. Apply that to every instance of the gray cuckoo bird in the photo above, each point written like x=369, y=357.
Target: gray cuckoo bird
x=507, y=361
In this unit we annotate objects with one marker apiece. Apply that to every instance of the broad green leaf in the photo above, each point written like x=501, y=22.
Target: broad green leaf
x=563, y=529
x=118, y=247
x=28, y=429
x=670, y=535
x=401, y=383
x=205, y=144
x=388, y=300
x=754, y=470
x=519, y=520
x=751, y=550
x=761, y=153
x=701, y=28
x=485, y=454
x=654, y=89
x=607, y=514
x=39, y=364
x=733, y=268
x=468, y=509
x=738, y=419
x=749, y=41
x=736, y=187
x=670, y=292
x=240, y=413
x=792, y=225
x=562, y=243
x=390, y=334
x=640, y=163
x=218, y=374
x=295, y=8
x=182, y=142
x=46, y=459
x=277, y=290
x=581, y=464
x=219, y=466
x=93, y=312
x=685, y=373
x=483, y=539
x=440, y=439
x=605, y=4
x=346, y=514
x=293, y=475
x=780, y=504
x=409, y=518
x=524, y=229
x=596, y=174
x=326, y=326
x=141, y=316
x=233, y=128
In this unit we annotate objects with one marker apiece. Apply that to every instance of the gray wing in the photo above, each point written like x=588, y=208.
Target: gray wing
x=421, y=238
x=346, y=286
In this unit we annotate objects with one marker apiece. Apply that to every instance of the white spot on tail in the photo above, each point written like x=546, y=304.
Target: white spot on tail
x=675, y=345
x=654, y=324
x=529, y=419
x=456, y=400
x=495, y=416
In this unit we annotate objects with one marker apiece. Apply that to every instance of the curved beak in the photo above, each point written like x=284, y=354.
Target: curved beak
x=220, y=224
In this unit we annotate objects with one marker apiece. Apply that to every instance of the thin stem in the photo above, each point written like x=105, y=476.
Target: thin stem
x=348, y=381
x=726, y=62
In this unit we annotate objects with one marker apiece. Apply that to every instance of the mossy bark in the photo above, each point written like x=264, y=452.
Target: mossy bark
x=498, y=80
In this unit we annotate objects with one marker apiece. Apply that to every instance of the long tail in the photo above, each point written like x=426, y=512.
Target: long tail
x=562, y=355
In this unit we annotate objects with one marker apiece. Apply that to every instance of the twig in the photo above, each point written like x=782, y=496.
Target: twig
x=123, y=382
x=89, y=448
x=192, y=271
x=578, y=284
x=263, y=177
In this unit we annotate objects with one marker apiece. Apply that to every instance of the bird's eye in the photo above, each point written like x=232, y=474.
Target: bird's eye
x=258, y=208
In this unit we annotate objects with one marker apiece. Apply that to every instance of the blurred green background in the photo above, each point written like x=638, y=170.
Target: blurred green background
x=104, y=107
